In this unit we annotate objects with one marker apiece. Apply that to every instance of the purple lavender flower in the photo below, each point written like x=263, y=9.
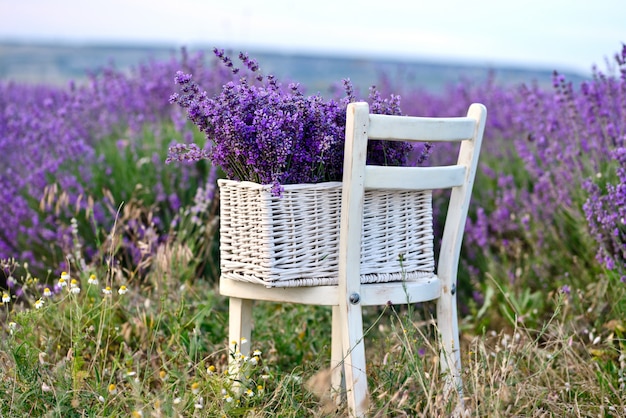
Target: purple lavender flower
x=606, y=213
x=259, y=131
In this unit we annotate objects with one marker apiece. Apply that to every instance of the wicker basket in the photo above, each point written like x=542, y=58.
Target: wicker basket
x=293, y=240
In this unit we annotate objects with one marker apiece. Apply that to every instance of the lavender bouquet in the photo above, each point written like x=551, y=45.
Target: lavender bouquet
x=258, y=130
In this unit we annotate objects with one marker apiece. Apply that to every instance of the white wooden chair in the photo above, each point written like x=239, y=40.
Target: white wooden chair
x=350, y=295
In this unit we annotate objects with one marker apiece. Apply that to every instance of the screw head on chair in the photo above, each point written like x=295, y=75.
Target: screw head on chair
x=355, y=298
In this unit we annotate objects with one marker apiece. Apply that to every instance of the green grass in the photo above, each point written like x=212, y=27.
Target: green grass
x=161, y=350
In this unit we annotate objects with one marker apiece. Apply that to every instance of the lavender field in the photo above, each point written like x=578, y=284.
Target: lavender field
x=86, y=190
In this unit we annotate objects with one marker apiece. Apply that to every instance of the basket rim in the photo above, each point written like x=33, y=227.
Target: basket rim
x=286, y=187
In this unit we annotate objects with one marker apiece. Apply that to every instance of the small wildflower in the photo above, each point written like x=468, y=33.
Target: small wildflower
x=47, y=293
x=92, y=280
x=12, y=327
x=101, y=399
x=107, y=290
x=6, y=298
x=176, y=401
x=250, y=393
x=112, y=389
x=565, y=289
x=210, y=369
x=122, y=290
x=65, y=278
x=228, y=398
x=163, y=375
x=39, y=303
x=45, y=387
x=256, y=353
x=254, y=360
x=131, y=374
x=74, y=288
x=195, y=388
x=137, y=414
x=244, y=340
x=199, y=403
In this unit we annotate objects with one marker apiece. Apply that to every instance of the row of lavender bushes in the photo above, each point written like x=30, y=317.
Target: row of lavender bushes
x=549, y=206
x=89, y=152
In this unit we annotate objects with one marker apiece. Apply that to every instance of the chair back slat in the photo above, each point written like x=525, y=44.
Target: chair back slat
x=405, y=128
x=414, y=178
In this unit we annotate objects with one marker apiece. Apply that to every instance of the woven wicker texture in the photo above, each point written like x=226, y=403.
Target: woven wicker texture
x=293, y=240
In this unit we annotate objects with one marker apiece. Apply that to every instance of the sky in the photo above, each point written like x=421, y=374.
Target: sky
x=566, y=35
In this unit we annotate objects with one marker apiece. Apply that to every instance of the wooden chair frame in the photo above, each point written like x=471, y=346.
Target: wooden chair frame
x=348, y=297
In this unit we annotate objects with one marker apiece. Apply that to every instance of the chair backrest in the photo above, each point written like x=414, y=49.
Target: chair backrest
x=362, y=126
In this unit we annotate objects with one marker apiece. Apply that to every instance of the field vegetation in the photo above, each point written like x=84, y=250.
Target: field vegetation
x=109, y=262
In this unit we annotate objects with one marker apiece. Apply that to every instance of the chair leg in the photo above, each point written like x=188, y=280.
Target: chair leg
x=450, y=358
x=336, y=356
x=354, y=359
x=239, y=330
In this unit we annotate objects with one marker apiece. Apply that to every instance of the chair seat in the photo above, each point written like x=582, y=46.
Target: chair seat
x=415, y=291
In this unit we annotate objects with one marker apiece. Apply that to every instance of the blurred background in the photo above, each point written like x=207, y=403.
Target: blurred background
x=426, y=43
